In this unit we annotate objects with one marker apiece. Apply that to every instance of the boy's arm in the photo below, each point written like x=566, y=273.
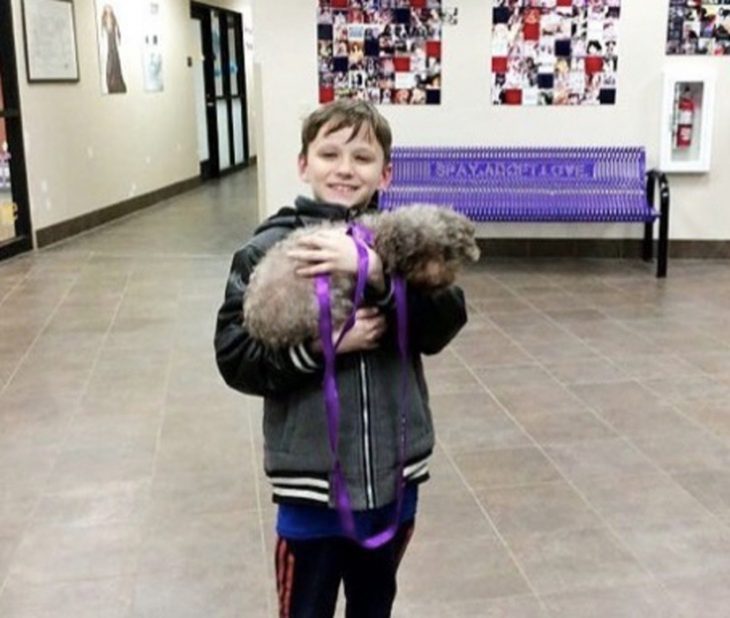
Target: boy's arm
x=435, y=318
x=245, y=363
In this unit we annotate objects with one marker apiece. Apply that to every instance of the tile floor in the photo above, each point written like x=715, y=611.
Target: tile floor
x=582, y=467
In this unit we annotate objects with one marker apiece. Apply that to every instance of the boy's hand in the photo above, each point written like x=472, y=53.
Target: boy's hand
x=328, y=251
x=365, y=334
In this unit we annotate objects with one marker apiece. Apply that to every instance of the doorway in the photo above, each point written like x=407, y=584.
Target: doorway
x=15, y=226
x=220, y=90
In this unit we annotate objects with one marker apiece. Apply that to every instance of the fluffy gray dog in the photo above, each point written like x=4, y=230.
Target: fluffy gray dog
x=424, y=244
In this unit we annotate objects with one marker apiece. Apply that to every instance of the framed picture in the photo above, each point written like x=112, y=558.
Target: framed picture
x=387, y=52
x=699, y=27
x=555, y=52
x=113, y=18
x=152, y=48
x=50, y=41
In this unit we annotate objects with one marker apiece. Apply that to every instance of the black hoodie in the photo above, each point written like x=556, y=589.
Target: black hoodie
x=297, y=457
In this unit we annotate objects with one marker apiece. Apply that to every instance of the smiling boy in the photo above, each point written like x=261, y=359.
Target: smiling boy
x=345, y=159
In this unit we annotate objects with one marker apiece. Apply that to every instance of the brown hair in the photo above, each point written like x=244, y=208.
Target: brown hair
x=345, y=113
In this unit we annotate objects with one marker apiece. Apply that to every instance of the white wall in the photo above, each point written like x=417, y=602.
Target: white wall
x=248, y=43
x=289, y=89
x=86, y=150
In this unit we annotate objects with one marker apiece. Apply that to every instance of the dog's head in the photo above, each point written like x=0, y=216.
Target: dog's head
x=426, y=244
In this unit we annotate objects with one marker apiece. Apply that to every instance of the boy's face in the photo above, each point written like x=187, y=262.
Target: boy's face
x=345, y=171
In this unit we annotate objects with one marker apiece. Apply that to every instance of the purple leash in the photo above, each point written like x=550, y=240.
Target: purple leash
x=362, y=237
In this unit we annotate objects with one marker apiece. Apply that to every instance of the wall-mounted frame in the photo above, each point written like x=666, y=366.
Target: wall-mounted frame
x=50, y=41
x=688, y=109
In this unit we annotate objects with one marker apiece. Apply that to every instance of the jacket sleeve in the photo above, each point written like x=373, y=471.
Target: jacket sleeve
x=246, y=364
x=435, y=318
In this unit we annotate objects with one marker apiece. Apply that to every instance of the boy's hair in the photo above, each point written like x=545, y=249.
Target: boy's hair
x=347, y=113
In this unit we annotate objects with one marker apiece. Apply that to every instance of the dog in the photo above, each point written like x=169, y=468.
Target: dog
x=424, y=244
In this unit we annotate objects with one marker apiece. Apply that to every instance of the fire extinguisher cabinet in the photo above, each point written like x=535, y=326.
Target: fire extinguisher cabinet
x=687, y=117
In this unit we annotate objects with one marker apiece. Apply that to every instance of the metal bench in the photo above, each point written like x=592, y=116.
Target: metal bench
x=570, y=185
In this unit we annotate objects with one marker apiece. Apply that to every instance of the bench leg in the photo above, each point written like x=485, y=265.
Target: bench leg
x=663, y=249
x=647, y=252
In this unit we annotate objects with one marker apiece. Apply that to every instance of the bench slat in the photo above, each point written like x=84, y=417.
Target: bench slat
x=595, y=167
x=539, y=207
x=524, y=184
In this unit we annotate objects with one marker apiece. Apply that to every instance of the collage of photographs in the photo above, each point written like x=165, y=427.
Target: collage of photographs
x=382, y=51
x=555, y=52
x=699, y=27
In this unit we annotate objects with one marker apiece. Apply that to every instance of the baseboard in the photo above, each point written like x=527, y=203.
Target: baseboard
x=60, y=231
x=598, y=248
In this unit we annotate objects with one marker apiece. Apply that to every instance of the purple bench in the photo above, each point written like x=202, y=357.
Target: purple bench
x=569, y=185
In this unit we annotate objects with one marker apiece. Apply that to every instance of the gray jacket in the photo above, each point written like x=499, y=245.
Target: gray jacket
x=297, y=457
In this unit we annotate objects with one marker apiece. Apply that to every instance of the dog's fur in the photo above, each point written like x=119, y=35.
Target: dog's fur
x=424, y=244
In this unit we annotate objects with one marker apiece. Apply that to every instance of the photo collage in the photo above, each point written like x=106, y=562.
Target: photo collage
x=699, y=27
x=555, y=52
x=382, y=51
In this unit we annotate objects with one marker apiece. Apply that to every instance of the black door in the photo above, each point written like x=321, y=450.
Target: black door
x=15, y=228
x=220, y=90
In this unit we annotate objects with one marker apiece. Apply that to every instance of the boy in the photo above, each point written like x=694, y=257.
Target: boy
x=345, y=158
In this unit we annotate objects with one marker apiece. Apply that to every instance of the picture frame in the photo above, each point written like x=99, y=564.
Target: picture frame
x=49, y=31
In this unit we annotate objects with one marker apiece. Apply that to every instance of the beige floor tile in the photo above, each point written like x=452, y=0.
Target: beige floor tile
x=454, y=515
x=123, y=502
x=445, y=381
x=652, y=366
x=555, y=426
x=17, y=502
x=692, y=451
x=640, y=499
x=483, y=354
x=192, y=543
x=647, y=421
x=92, y=598
x=219, y=592
x=676, y=549
x=538, y=508
x=510, y=607
x=692, y=389
x=84, y=468
x=26, y=431
x=647, y=601
x=708, y=597
x=610, y=396
x=52, y=553
x=562, y=348
x=452, y=571
x=506, y=467
x=714, y=416
x=26, y=468
x=121, y=432
x=8, y=544
x=477, y=428
x=710, y=487
x=574, y=560
x=177, y=491
x=599, y=458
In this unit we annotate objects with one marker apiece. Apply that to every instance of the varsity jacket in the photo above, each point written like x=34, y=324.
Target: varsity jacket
x=297, y=457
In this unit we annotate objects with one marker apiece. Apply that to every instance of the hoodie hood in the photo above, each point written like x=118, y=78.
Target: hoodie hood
x=307, y=211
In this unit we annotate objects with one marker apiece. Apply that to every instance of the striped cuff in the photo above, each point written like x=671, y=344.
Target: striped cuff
x=308, y=489
x=386, y=301
x=302, y=359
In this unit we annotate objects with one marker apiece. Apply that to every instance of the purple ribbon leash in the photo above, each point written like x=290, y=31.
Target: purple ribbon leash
x=362, y=237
